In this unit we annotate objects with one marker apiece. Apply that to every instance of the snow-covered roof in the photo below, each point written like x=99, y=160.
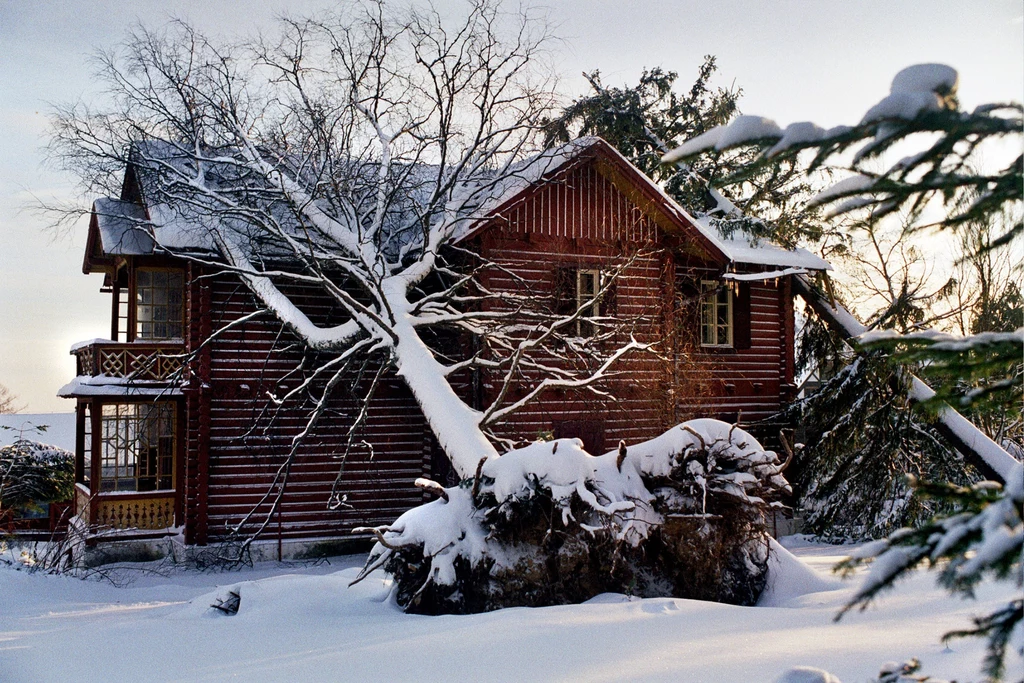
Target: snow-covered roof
x=104, y=385
x=123, y=227
x=740, y=247
x=127, y=228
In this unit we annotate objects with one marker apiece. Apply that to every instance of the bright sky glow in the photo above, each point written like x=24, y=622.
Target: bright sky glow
x=798, y=60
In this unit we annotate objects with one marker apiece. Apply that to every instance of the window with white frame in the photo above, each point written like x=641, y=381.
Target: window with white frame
x=716, y=322
x=588, y=283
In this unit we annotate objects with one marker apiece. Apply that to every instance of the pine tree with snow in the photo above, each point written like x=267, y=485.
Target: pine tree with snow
x=982, y=540
x=863, y=435
x=922, y=99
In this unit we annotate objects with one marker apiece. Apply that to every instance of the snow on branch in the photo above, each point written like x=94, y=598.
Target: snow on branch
x=922, y=99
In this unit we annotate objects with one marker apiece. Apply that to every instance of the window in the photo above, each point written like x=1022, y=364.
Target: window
x=716, y=328
x=588, y=283
x=137, y=447
x=158, y=297
x=576, y=288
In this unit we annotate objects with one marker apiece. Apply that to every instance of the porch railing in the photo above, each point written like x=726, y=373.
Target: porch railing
x=82, y=496
x=149, y=511
x=142, y=361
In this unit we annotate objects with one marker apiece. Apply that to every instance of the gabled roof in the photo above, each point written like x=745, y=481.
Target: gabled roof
x=116, y=228
x=738, y=248
x=120, y=227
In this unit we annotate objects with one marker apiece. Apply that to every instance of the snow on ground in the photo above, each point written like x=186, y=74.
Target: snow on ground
x=302, y=622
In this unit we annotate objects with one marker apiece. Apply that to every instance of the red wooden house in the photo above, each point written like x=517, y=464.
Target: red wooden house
x=163, y=450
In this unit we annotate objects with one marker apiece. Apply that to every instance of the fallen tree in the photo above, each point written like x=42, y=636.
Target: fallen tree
x=680, y=515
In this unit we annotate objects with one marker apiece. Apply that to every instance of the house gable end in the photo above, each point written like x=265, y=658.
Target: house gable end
x=597, y=196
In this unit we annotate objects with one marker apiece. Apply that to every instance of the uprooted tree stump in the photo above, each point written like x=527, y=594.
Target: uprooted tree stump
x=682, y=515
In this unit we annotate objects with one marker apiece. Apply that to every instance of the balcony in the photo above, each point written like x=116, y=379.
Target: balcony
x=145, y=361
x=106, y=368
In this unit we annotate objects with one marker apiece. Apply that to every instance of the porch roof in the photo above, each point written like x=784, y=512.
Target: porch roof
x=117, y=387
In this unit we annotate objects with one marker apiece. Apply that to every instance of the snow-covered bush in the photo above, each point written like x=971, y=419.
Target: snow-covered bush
x=33, y=473
x=681, y=514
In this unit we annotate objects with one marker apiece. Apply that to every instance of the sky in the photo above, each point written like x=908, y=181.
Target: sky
x=826, y=62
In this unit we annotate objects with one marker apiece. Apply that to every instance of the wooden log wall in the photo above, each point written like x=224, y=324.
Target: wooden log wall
x=238, y=440
x=582, y=221
x=725, y=383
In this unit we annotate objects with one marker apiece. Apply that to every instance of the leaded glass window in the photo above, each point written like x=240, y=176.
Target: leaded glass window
x=137, y=447
x=158, y=303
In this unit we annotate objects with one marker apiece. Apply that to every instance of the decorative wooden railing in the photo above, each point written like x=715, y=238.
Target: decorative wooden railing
x=151, y=511
x=141, y=361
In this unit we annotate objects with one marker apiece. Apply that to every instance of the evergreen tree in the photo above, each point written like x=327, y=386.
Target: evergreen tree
x=645, y=121
x=983, y=538
x=33, y=473
x=863, y=436
x=923, y=99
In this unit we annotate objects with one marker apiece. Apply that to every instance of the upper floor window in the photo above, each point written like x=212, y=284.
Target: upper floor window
x=158, y=303
x=716, y=319
x=577, y=289
x=588, y=284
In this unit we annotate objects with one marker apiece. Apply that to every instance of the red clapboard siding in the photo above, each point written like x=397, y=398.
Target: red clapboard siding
x=247, y=440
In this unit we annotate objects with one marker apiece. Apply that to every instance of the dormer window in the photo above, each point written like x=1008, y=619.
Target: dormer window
x=716, y=319
x=158, y=303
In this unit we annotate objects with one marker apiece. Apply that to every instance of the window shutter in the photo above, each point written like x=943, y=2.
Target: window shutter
x=564, y=293
x=741, y=317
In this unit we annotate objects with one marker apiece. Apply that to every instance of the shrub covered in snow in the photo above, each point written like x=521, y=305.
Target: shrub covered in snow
x=32, y=473
x=681, y=514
